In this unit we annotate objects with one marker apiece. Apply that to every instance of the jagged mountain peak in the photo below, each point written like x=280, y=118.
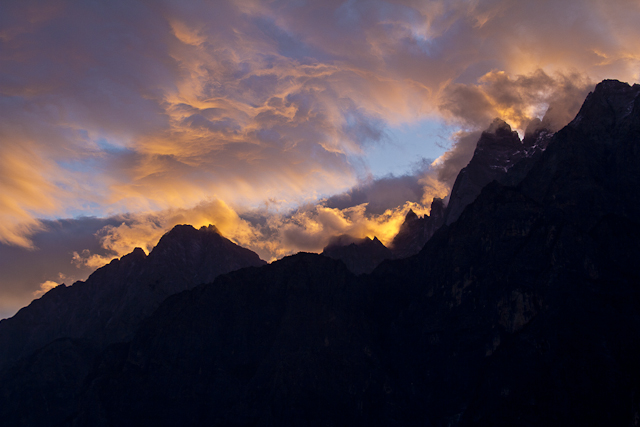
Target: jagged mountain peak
x=411, y=216
x=498, y=150
x=112, y=302
x=499, y=127
x=182, y=232
x=191, y=244
x=615, y=86
x=137, y=254
x=610, y=102
x=344, y=240
x=210, y=228
x=498, y=137
x=415, y=231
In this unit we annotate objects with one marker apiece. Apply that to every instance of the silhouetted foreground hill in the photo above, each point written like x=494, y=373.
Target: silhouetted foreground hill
x=525, y=311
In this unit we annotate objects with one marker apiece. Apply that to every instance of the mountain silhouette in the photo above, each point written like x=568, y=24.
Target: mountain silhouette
x=415, y=231
x=523, y=311
x=498, y=151
x=109, y=306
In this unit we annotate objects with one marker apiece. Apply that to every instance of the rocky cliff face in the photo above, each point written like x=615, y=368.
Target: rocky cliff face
x=524, y=311
x=110, y=305
x=498, y=150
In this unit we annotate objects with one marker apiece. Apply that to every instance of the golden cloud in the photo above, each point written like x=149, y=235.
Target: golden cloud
x=250, y=101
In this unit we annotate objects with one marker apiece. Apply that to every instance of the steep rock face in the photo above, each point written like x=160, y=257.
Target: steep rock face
x=415, y=231
x=497, y=150
x=535, y=141
x=110, y=305
x=359, y=255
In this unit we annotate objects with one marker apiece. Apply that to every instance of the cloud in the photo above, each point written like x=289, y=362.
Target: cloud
x=517, y=100
x=261, y=114
x=45, y=287
x=49, y=259
x=144, y=230
x=136, y=106
x=380, y=194
x=536, y=98
x=273, y=231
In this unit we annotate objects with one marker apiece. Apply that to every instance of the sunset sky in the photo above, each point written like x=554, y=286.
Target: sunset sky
x=281, y=122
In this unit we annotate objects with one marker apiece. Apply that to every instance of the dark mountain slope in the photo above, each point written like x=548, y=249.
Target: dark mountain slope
x=526, y=311
x=42, y=389
x=286, y=344
x=110, y=305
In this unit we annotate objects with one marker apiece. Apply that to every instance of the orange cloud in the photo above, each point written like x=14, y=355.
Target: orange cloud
x=25, y=191
x=250, y=101
x=45, y=287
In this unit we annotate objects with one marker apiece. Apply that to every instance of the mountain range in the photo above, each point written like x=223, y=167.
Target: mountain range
x=516, y=304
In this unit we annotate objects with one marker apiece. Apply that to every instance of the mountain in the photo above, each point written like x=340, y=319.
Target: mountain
x=109, y=306
x=415, y=231
x=524, y=311
x=497, y=151
x=359, y=255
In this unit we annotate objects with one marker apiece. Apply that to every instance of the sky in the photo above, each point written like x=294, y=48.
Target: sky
x=283, y=123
